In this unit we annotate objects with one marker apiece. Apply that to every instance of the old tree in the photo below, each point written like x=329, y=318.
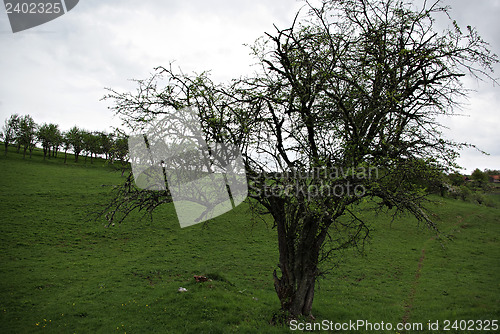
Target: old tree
x=341, y=113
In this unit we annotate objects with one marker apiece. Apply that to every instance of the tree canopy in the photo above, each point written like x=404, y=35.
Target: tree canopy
x=341, y=114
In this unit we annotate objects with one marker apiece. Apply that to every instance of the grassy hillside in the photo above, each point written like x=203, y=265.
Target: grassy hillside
x=61, y=272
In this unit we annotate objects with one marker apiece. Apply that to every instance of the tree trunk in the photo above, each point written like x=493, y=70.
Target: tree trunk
x=124, y=166
x=296, y=297
x=6, y=147
x=298, y=265
x=65, y=155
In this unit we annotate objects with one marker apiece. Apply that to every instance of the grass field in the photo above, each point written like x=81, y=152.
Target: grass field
x=62, y=272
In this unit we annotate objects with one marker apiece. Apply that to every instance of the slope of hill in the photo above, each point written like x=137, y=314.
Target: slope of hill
x=64, y=272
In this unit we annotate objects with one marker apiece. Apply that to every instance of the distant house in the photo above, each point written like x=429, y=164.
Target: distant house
x=494, y=178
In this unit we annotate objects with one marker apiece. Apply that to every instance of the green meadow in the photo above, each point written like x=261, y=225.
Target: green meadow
x=62, y=271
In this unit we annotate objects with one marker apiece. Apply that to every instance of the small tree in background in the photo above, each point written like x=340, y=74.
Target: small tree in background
x=105, y=143
x=66, y=144
x=50, y=137
x=43, y=136
x=91, y=144
x=57, y=141
x=119, y=151
x=9, y=130
x=456, y=179
x=75, y=139
x=26, y=134
x=480, y=179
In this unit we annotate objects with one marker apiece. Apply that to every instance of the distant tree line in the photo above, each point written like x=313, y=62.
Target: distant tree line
x=478, y=179
x=23, y=132
x=474, y=188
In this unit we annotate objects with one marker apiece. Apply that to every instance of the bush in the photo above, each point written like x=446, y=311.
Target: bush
x=464, y=193
x=478, y=197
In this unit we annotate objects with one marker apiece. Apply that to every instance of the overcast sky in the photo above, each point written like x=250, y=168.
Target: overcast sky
x=57, y=72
